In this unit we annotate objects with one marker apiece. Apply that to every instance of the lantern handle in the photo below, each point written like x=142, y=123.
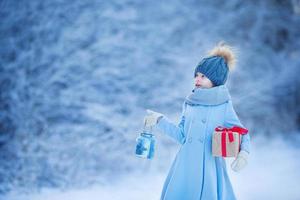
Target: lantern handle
x=144, y=128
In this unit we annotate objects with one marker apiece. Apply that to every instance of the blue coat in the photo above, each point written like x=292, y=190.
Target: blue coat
x=195, y=174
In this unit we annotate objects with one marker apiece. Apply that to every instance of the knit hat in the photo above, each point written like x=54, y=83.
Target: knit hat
x=216, y=66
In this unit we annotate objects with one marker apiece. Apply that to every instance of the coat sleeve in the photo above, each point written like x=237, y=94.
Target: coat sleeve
x=175, y=131
x=231, y=119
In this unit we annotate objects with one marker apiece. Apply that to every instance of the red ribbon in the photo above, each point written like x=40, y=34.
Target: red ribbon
x=224, y=131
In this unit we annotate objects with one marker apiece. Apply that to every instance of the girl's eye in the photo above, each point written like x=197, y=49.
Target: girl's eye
x=202, y=75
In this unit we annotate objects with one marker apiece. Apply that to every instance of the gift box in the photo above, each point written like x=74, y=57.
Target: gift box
x=226, y=141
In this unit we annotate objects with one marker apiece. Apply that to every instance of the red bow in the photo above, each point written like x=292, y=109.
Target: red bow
x=240, y=130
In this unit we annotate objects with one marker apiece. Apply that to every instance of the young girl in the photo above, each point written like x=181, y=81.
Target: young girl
x=195, y=173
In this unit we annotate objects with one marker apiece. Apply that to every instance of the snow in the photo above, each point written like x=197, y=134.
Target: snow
x=272, y=173
x=76, y=80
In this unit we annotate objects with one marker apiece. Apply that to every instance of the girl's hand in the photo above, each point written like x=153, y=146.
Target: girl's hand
x=151, y=119
x=240, y=162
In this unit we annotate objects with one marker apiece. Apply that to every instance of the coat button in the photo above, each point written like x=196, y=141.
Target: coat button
x=200, y=140
x=190, y=139
x=203, y=120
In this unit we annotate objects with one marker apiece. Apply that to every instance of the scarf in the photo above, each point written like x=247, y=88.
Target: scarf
x=208, y=96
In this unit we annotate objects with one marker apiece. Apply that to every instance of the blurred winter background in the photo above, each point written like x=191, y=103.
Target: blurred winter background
x=77, y=76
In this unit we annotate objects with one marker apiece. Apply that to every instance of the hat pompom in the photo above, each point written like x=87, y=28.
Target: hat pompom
x=225, y=51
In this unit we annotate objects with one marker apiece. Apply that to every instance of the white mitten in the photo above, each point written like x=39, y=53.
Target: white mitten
x=152, y=118
x=241, y=161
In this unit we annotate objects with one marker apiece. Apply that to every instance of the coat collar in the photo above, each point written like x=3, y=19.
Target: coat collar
x=208, y=96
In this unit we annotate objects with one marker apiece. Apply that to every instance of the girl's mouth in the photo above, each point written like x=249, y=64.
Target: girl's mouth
x=198, y=85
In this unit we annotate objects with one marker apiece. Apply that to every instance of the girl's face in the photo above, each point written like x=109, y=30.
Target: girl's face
x=202, y=81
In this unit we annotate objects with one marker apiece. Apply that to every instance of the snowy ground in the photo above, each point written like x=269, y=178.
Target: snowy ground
x=272, y=173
